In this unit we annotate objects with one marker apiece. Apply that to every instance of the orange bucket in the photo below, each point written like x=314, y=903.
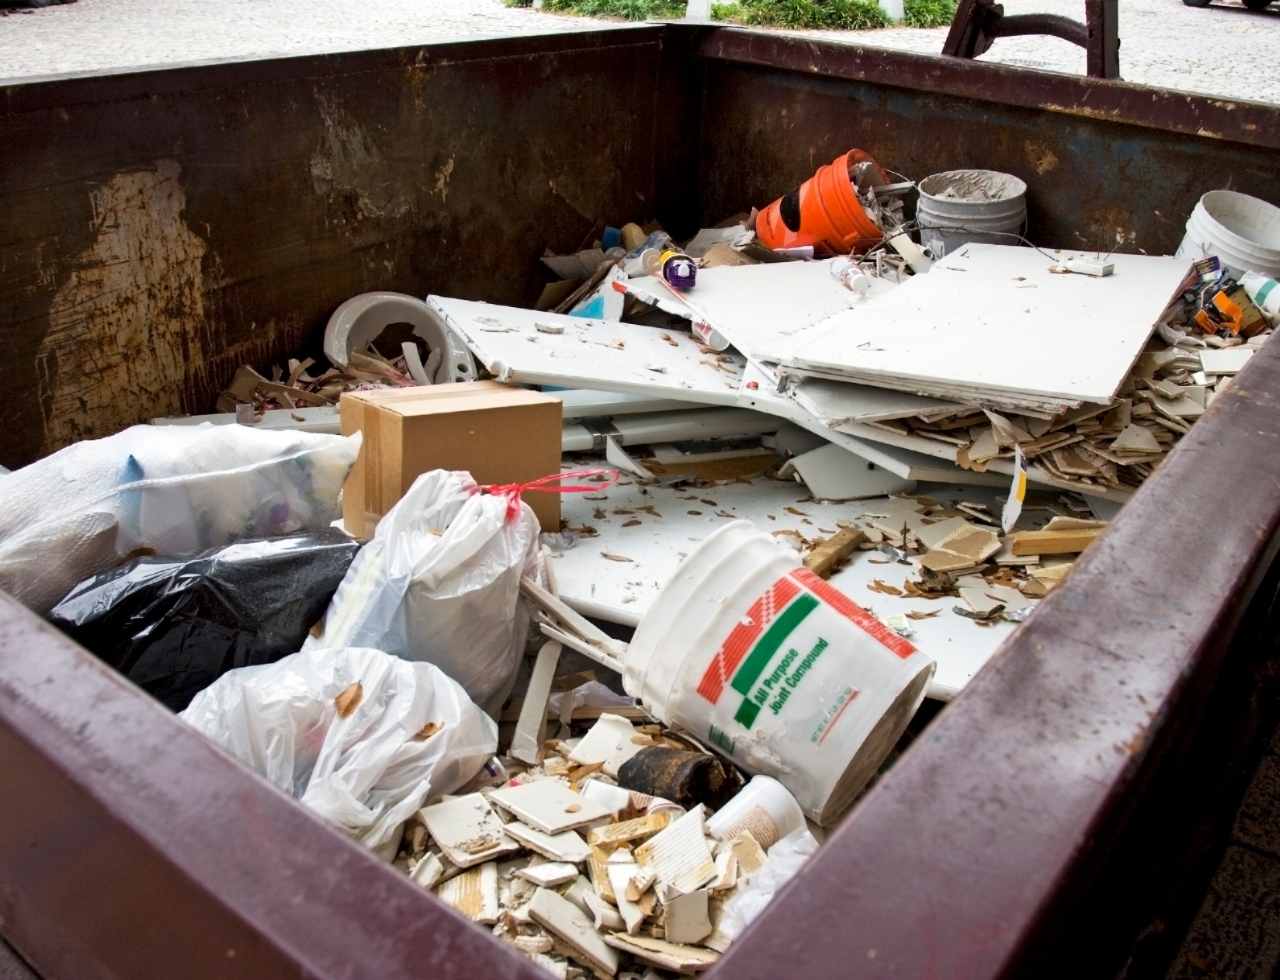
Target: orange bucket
x=824, y=211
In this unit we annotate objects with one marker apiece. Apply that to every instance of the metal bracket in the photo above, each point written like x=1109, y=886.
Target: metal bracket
x=978, y=23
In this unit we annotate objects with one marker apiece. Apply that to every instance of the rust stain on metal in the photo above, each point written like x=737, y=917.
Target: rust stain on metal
x=349, y=167
x=442, y=176
x=136, y=294
x=1040, y=156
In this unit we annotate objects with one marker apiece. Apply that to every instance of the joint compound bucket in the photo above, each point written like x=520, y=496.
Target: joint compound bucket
x=962, y=206
x=1242, y=231
x=764, y=661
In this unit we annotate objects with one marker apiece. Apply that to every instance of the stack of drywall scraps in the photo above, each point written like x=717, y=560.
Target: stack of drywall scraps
x=580, y=873
x=529, y=347
x=1095, y=449
x=992, y=325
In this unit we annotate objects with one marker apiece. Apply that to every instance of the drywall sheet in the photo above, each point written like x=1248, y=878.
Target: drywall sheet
x=838, y=403
x=752, y=306
x=530, y=347
x=760, y=391
x=637, y=536
x=992, y=320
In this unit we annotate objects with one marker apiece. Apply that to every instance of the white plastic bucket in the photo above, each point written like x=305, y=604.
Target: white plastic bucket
x=775, y=668
x=962, y=206
x=1243, y=231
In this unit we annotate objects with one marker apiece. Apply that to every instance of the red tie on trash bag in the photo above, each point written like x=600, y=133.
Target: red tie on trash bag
x=552, y=483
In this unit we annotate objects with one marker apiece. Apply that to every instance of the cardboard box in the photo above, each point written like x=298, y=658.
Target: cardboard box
x=497, y=433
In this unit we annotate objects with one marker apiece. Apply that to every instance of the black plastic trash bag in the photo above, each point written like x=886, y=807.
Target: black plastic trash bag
x=175, y=625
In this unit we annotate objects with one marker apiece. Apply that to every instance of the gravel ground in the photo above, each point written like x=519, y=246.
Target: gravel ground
x=1222, y=50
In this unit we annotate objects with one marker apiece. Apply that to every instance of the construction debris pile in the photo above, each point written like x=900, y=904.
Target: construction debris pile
x=574, y=866
x=298, y=388
x=761, y=466
x=959, y=551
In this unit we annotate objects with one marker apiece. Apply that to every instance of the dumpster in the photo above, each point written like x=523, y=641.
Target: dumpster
x=158, y=229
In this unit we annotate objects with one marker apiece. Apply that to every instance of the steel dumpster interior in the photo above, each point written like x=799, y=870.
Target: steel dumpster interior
x=157, y=229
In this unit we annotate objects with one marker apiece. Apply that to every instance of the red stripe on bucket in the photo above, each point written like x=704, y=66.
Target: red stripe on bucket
x=851, y=611
x=744, y=636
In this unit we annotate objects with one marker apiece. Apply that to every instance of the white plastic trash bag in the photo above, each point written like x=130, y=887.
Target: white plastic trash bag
x=440, y=582
x=752, y=896
x=365, y=758
x=168, y=489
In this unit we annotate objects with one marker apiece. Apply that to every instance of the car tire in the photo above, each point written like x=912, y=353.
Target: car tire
x=1257, y=4
x=1196, y=3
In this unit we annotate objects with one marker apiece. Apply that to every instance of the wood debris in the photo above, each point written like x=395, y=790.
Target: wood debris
x=827, y=555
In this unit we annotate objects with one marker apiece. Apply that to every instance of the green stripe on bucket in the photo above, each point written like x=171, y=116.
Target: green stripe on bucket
x=1264, y=292
x=755, y=664
x=747, y=712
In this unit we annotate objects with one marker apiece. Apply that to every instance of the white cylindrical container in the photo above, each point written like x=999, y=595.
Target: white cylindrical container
x=1265, y=293
x=776, y=669
x=1242, y=231
x=763, y=807
x=962, y=206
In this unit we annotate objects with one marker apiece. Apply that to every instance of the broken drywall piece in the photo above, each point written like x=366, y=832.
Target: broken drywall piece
x=467, y=830
x=931, y=536
x=669, y=956
x=474, y=893
x=604, y=914
x=620, y=876
x=833, y=473
x=548, y=805
x=619, y=457
x=611, y=741
x=549, y=874
x=613, y=835
x=679, y=855
x=566, y=846
x=526, y=743
x=578, y=891
x=428, y=871
x=569, y=924
x=1229, y=360
x=726, y=870
x=977, y=599
x=598, y=869
x=962, y=549
x=685, y=918
x=751, y=856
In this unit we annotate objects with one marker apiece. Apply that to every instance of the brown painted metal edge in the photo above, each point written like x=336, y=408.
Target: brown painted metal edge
x=1203, y=116
x=23, y=94
x=132, y=847
x=953, y=861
